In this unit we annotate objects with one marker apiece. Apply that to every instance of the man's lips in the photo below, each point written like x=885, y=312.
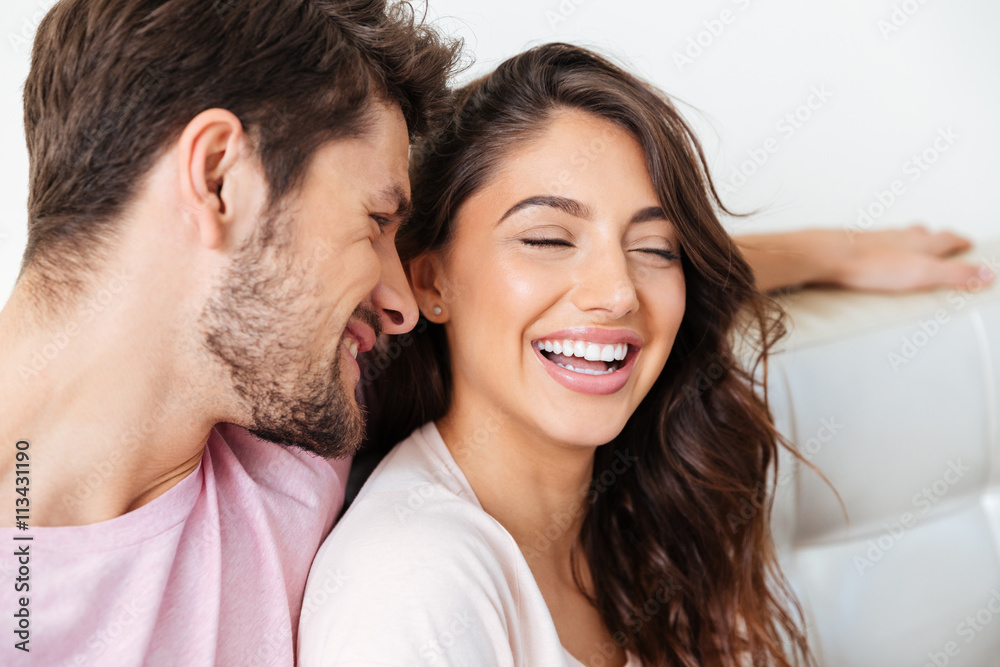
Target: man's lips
x=360, y=333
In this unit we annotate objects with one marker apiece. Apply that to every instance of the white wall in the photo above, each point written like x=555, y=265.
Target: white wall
x=895, y=74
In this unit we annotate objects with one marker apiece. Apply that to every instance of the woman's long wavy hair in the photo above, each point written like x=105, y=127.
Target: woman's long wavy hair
x=679, y=547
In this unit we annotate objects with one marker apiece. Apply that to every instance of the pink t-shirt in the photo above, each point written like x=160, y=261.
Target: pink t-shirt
x=210, y=573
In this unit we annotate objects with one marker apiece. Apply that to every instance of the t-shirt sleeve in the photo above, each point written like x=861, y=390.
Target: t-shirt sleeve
x=393, y=587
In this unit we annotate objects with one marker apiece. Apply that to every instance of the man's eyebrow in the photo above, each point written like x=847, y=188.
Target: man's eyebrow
x=395, y=195
x=647, y=214
x=570, y=206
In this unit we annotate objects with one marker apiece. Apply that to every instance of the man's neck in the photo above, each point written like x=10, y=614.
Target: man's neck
x=101, y=401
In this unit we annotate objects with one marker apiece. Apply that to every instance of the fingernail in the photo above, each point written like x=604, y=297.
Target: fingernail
x=986, y=273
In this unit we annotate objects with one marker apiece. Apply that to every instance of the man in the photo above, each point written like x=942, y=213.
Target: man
x=214, y=192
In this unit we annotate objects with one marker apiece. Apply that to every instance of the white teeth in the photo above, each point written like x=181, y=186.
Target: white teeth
x=585, y=349
x=585, y=371
x=351, y=345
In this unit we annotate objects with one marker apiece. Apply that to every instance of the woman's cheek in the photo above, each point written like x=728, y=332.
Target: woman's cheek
x=528, y=279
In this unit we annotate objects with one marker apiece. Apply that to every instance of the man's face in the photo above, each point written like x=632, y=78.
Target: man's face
x=312, y=287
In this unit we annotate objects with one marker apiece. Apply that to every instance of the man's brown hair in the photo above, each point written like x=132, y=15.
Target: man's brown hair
x=114, y=82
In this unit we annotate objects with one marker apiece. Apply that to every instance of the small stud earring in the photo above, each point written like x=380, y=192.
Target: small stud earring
x=437, y=310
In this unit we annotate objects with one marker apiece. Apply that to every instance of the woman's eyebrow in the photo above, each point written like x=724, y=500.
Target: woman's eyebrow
x=570, y=206
x=578, y=209
x=649, y=213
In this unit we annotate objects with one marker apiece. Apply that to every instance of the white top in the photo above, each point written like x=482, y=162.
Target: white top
x=417, y=573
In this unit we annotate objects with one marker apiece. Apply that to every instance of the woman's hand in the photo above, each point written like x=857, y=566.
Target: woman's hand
x=896, y=260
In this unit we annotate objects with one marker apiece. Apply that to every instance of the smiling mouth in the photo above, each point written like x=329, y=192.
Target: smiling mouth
x=584, y=357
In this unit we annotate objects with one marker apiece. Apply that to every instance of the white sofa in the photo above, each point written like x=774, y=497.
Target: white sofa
x=896, y=400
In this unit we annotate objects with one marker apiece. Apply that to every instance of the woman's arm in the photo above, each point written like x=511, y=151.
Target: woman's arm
x=895, y=260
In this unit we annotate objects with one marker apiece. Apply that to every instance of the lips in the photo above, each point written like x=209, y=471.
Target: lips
x=358, y=337
x=589, y=360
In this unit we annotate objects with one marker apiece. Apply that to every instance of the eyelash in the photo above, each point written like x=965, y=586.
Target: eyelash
x=665, y=254
x=544, y=242
x=381, y=221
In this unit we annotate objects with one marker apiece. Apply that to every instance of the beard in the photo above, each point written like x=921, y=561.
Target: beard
x=260, y=323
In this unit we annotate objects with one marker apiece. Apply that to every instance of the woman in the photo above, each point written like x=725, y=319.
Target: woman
x=576, y=494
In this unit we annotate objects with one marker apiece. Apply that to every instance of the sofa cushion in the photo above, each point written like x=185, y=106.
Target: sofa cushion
x=895, y=400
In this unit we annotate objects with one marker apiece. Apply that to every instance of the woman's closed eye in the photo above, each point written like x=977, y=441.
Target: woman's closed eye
x=665, y=253
x=541, y=242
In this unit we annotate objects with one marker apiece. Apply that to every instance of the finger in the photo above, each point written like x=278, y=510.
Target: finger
x=944, y=244
x=961, y=275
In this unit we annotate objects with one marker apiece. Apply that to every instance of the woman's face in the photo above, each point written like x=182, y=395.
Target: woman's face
x=562, y=290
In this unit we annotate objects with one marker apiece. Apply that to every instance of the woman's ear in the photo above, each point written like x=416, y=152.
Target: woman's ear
x=426, y=278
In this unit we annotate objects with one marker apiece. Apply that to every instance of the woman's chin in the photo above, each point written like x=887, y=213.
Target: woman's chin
x=589, y=432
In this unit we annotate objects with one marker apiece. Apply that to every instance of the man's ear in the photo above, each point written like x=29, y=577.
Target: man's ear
x=208, y=151
x=426, y=280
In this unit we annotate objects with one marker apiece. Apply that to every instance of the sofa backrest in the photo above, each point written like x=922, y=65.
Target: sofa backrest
x=895, y=399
